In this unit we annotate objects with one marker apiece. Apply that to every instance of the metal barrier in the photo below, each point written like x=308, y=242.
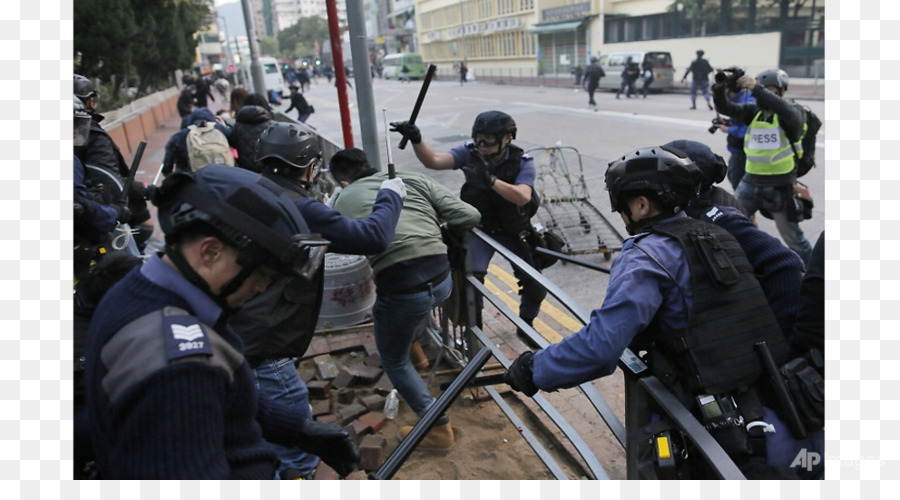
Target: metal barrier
x=642, y=391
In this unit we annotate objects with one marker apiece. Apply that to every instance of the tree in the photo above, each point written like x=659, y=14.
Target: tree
x=104, y=34
x=269, y=46
x=300, y=39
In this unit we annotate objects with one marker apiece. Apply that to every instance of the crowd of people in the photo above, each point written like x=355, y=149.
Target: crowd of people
x=185, y=359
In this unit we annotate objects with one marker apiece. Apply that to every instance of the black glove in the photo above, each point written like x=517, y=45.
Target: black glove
x=520, y=375
x=477, y=171
x=407, y=130
x=123, y=213
x=330, y=443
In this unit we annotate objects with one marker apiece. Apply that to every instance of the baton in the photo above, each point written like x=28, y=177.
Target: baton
x=135, y=163
x=387, y=142
x=781, y=391
x=415, y=112
x=158, y=173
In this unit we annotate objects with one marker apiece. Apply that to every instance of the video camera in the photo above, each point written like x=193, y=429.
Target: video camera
x=716, y=122
x=729, y=77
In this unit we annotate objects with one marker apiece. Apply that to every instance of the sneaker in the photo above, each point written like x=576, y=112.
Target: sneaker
x=693, y=107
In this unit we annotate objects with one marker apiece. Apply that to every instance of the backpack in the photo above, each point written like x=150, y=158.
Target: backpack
x=206, y=144
x=811, y=126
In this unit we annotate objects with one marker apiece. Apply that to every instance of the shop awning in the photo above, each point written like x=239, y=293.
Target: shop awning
x=558, y=26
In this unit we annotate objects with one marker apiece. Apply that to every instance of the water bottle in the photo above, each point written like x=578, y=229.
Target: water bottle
x=391, y=404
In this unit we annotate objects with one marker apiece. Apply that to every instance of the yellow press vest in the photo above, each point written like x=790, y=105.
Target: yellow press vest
x=768, y=149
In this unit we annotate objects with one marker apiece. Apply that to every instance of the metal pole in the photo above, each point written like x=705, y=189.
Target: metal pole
x=408, y=445
x=256, y=69
x=227, y=47
x=337, y=53
x=365, y=97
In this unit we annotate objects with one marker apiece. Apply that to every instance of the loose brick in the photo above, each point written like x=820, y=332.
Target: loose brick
x=372, y=402
x=351, y=412
x=360, y=429
x=319, y=389
x=346, y=396
x=374, y=420
x=384, y=385
x=320, y=406
x=317, y=347
x=343, y=379
x=306, y=376
x=365, y=374
x=370, y=347
x=371, y=452
x=325, y=473
x=373, y=360
x=326, y=368
x=328, y=417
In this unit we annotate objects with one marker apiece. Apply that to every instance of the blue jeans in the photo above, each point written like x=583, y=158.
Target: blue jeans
x=701, y=85
x=772, y=199
x=278, y=379
x=532, y=292
x=397, y=317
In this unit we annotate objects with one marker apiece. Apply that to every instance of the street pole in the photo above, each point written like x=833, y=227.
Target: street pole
x=337, y=53
x=365, y=97
x=227, y=46
x=256, y=69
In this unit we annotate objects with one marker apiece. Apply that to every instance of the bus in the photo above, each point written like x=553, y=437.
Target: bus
x=393, y=63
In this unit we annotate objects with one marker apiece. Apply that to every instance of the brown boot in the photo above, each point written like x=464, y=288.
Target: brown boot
x=417, y=356
x=440, y=437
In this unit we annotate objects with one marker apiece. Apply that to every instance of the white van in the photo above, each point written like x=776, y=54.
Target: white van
x=613, y=64
x=271, y=74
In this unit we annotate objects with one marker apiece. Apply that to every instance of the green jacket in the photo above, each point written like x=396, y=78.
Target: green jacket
x=418, y=232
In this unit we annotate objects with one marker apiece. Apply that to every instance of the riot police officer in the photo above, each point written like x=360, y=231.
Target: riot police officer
x=169, y=390
x=683, y=292
x=500, y=184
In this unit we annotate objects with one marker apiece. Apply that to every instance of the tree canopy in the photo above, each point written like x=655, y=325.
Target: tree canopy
x=300, y=39
x=145, y=39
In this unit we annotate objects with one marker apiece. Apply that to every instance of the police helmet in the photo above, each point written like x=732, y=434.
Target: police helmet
x=773, y=77
x=700, y=52
x=83, y=88
x=245, y=210
x=594, y=59
x=291, y=144
x=82, y=122
x=712, y=166
x=666, y=172
x=496, y=123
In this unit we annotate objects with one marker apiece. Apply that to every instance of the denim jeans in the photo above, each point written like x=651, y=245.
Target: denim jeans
x=702, y=86
x=397, y=317
x=278, y=379
x=532, y=292
x=771, y=198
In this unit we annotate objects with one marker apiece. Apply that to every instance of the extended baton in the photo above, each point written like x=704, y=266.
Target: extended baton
x=135, y=163
x=424, y=90
x=387, y=143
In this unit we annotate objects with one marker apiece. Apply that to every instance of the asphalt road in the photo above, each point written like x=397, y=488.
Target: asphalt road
x=547, y=117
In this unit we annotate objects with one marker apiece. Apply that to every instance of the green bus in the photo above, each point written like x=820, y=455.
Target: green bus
x=393, y=63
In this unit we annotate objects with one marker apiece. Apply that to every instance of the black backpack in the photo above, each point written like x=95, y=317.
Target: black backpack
x=812, y=125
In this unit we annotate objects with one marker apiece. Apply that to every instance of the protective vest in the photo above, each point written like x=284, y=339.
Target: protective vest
x=768, y=149
x=280, y=322
x=716, y=353
x=497, y=214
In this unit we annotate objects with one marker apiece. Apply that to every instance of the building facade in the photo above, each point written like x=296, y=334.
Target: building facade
x=554, y=36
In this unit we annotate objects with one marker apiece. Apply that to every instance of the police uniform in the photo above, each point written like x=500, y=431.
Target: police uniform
x=503, y=220
x=655, y=286
x=167, y=380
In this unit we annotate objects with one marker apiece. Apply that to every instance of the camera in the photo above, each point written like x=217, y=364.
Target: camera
x=729, y=77
x=715, y=124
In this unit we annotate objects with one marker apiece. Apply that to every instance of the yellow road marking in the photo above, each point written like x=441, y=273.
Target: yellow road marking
x=543, y=328
x=558, y=315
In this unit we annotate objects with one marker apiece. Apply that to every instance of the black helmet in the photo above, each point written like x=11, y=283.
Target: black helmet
x=700, y=52
x=710, y=164
x=774, y=77
x=292, y=144
x=496, y=123
x=244, y=209
x=83, y=88
x=594, y=59
x=669, y=173
x=82, y=122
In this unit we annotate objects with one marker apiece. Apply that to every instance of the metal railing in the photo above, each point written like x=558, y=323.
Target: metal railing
x=643, y=391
